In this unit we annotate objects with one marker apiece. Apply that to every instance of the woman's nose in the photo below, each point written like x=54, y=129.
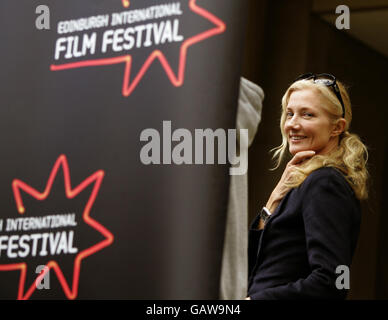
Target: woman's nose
x=293, y=123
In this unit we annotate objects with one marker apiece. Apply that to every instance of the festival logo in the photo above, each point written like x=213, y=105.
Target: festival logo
x=136, y=38
x=54, y=229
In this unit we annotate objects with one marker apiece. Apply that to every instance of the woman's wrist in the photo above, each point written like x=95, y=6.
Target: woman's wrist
x=271, y=205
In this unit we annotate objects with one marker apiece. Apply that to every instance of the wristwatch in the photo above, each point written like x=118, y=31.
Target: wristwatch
x=265, y=214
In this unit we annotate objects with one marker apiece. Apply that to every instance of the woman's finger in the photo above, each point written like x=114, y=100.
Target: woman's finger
x=301, y=156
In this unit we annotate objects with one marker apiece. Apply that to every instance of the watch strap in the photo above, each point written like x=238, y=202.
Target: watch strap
x=265, y=214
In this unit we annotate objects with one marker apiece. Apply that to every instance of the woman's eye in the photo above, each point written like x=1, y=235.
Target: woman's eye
x=289, y=114
x=308, y=114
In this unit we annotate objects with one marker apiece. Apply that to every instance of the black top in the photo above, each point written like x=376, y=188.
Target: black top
x=313, y=230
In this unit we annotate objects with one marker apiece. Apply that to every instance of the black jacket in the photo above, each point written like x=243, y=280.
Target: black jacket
x=313, y=230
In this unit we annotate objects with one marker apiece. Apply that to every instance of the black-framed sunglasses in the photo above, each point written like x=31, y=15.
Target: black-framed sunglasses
x=328, y=80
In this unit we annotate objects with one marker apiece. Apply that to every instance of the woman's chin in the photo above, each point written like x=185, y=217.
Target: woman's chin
x=295, y=150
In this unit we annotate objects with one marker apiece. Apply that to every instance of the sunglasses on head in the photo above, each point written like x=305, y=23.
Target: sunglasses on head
x=326, y=79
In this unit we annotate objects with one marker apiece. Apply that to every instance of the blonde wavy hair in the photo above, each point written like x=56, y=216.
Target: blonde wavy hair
x=351, y=155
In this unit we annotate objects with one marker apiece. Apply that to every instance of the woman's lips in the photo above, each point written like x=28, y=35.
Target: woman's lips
x=296, y=138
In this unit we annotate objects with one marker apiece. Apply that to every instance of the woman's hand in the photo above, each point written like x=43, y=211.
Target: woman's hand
x=281, y=189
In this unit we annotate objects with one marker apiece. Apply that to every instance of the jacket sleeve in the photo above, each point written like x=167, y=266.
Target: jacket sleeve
x=329, y=211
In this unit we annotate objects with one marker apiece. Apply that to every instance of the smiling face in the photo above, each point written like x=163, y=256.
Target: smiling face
x=308, y=125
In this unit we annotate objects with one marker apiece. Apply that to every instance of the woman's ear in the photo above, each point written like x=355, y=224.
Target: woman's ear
x=339, y=127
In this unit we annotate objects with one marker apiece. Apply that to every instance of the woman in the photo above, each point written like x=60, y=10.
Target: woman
x=310, y=224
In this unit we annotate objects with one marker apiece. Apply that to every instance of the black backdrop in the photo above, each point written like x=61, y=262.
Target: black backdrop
x=166, y=221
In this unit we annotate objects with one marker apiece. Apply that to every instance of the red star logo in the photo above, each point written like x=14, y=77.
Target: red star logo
x=176, y=79
x=95, y=180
